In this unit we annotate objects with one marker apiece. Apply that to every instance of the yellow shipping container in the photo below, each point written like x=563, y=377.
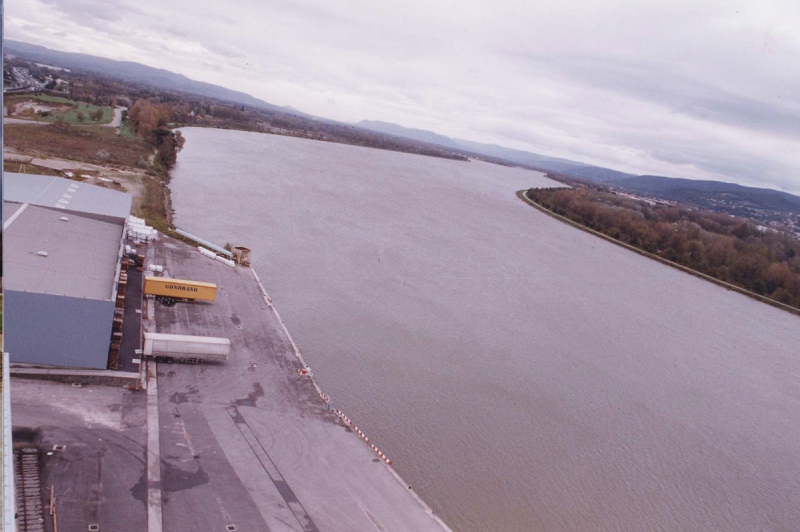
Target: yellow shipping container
x=180, y=288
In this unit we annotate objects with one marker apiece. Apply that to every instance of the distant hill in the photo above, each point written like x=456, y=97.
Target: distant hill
x=702, y=192
x=129, y=71
x=409, y=133
x=592, y=173
x=542, y=162
x=710, y=194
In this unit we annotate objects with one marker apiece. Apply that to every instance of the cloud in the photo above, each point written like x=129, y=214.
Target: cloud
x=90, y=11
x=666, y=85
x=703, y=90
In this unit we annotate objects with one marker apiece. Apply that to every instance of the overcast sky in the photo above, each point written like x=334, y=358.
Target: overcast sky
x=699, y=89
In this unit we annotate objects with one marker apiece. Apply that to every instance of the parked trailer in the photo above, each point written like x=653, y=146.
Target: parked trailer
x=186, y=348
x=168, y=291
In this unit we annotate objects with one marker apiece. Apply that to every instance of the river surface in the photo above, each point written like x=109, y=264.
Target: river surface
x=523, y=375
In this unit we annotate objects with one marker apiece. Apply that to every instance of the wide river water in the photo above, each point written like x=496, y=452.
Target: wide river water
x=523, y=375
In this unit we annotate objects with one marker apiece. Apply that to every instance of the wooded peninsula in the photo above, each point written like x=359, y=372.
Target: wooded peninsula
x=730, y=249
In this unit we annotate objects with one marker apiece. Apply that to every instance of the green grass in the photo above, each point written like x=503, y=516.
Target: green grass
x=53, y=99
x=153, y=203
x=70, y=116
x=126, y=131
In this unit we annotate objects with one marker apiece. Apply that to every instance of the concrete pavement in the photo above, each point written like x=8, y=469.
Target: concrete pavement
x=99, y=476
x=76, y=375
x=249, y=443
x=154, y=488
x=246, y=444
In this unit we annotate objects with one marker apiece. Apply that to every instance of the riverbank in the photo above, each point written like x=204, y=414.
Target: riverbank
x=257, y=433
x=522, y=194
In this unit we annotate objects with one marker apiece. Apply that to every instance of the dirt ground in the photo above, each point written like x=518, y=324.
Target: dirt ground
x=27, y=108
x=124, y=179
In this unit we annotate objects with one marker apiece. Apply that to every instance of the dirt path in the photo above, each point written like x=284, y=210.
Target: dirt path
x=21, y=121
x=117, y=117
x=129, y=179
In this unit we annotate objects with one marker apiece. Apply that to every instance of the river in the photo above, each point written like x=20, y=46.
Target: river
x=523, y=375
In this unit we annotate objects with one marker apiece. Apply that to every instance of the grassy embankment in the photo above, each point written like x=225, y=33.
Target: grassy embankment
x=578, y=222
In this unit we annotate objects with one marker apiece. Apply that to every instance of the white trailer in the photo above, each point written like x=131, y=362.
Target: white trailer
x=186, y=348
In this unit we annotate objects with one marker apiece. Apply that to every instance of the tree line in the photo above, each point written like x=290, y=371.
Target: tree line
x=725, y=247
x=150, y=120
x=192, y=109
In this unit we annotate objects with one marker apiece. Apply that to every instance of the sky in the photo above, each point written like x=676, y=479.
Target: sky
x=697, y=89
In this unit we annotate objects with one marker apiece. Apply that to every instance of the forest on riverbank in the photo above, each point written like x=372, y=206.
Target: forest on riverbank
x=727, y=248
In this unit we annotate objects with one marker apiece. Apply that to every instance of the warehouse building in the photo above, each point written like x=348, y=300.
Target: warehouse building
x=63, y=249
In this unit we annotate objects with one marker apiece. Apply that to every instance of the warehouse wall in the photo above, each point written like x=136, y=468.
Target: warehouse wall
x=57, y=330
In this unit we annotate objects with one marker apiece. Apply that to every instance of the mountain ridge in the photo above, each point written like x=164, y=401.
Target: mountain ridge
x=542, y=162
x=131, y=71
x=665, y=187
x=697, y=191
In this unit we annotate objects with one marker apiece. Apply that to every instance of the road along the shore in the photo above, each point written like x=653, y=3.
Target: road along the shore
x=254, y=443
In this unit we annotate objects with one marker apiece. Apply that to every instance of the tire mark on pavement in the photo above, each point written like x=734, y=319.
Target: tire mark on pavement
x=283, y=487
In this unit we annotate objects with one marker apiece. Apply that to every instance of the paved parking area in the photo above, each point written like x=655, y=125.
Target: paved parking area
x=247, y=443
x=99, y=476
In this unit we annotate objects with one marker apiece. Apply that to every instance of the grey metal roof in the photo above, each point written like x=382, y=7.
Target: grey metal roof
x=82, y=253
x=9, y=209
x=61, y=193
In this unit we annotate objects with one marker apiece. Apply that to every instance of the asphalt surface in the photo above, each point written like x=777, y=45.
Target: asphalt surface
x=249, y=442
x=99, y=478
x=131, y=322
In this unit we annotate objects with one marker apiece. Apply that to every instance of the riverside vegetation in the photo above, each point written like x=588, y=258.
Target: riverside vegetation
x=727, y=248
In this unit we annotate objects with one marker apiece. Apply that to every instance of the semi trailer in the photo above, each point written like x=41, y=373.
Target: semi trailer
x=186, y=348
x=168, y=291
